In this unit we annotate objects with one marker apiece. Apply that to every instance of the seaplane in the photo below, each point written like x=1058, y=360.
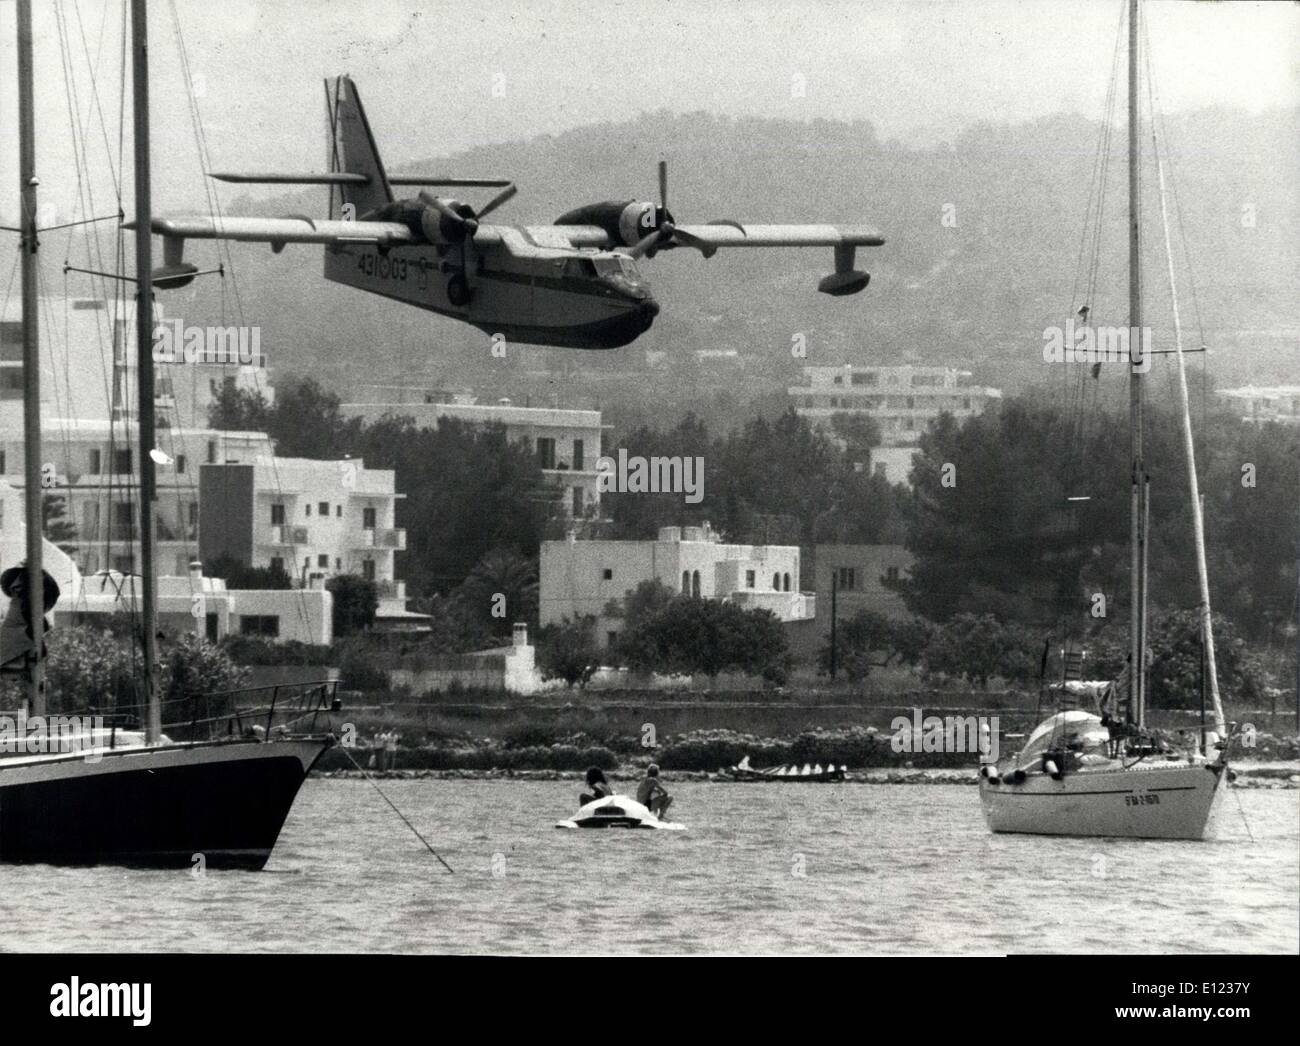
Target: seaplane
x=573, y=284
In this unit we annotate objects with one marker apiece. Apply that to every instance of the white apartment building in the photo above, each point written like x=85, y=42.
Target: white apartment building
x=903, y=400
x=580, y=578
x=1279, y=403
x=567, y=442
x=88, y=365
x=95, y=476
x=311, y=519
x=188, y=602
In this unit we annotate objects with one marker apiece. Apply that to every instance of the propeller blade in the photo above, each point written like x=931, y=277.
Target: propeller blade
x=685, y=238
x=648, y=242
x=498, y=200
x=663, y=184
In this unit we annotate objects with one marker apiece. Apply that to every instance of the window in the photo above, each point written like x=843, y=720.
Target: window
x=307, y=506
x=686, y=582
x=324, y=508
x=776, y=582
x=96, y=462
x=611, y=638
x=546, y=452
x=338, y=564
x=368, y=569
x=749, y=579
x=579, y=460
x=212, y=452
x=211, y=628
x=838, y=379
x=323, y=561
x=695, y=584
x=368, y=518
x=277, y=564
x=180, y=464
x=607, y=573
x=847, y=578
x=891, y=573
x=192, y=513
x=259, y=625
x=122, y=462
x=787, y=582
x=577, y=502
x=338, y=511
x=277, y=514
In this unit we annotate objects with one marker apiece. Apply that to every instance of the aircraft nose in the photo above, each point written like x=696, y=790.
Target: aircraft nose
x=649, y=309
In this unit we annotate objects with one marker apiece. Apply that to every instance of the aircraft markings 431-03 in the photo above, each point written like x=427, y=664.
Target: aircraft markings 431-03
x=575, y=283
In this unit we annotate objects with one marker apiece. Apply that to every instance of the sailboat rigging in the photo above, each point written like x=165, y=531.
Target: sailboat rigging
x=1106, y=774
x=223, y=792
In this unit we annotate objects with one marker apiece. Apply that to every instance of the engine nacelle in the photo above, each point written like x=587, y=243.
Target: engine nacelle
x=627, y=223
x=438, y=228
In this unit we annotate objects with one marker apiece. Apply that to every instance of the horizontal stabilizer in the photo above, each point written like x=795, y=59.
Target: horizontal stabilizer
x=337, y=178
x=420, y=179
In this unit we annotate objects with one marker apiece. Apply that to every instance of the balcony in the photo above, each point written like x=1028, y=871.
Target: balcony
x=390, y=589
x=286, y=535
x=383, y=537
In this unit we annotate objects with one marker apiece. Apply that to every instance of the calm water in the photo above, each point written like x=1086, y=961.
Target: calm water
x=853, y=868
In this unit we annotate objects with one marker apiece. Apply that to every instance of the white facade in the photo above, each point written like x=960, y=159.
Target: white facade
x=903, y=400
x=188, y=602
x=312, y=519
x=1279, y=403
x=95, y=474
x=581, y=578
x=567, y=442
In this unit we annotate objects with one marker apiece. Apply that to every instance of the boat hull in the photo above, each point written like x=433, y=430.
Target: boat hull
x=1142, y=802
x=170, y=806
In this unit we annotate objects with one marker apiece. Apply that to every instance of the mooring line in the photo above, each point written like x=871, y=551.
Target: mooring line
x=399, y=813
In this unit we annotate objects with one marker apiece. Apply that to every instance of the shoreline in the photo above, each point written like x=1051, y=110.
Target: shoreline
x=1267, y=775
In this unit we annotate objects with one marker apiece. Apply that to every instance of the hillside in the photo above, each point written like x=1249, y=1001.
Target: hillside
x=976, y=295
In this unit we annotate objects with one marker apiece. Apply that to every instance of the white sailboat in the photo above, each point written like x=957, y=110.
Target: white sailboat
x=1105, y=774
x=126, y=797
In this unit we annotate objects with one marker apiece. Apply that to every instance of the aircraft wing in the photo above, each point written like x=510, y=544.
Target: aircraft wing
x=279, y=231
x=733, y=234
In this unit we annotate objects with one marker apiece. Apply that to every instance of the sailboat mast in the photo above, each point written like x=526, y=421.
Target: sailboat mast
x=1137, y=537
x=144, y=357
x=27, y=183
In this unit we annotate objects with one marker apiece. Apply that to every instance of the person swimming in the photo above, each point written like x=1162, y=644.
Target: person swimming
x=651, y=794
x=600, y=788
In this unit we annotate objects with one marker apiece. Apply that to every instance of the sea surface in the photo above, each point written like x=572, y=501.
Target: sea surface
x=762, y=869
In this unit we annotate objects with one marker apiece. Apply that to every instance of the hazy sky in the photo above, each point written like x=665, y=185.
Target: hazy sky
x=427, y=72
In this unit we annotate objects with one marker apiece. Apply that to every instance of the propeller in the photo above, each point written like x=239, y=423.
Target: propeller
x=668, y=235
x=461, y=215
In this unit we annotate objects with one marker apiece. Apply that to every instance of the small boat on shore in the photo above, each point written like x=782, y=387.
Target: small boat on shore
x=618, y=811
x=808, y=773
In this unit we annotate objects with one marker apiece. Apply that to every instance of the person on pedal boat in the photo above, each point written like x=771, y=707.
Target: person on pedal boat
x=599, y=787
x=651, y=794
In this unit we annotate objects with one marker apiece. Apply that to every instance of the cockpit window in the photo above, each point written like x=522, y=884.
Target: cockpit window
x=580, y=267
x=617, y=265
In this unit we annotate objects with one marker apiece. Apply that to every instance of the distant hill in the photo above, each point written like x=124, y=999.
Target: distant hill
x=976, y=295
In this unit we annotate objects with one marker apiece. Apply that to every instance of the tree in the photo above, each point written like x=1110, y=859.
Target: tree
x=708, y=636
x=55, y=525
x=355, y=601
x=870, y=640
x=567, y=651
x=238, y=575
x=977, y=647
x=500, y=590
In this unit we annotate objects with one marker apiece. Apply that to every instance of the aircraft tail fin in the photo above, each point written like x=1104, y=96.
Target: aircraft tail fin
x=352, y=151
